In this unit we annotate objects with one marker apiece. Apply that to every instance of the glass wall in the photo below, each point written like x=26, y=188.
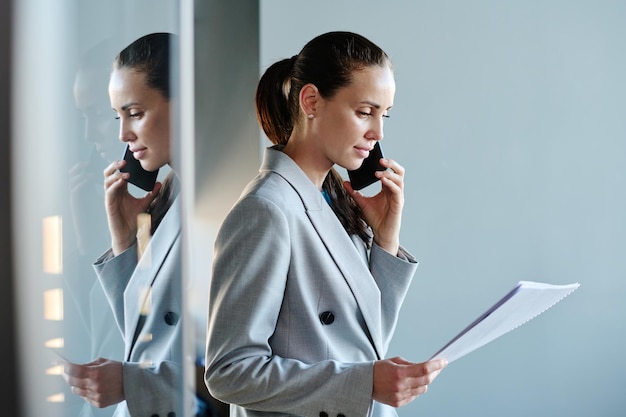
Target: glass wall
x=64, y=135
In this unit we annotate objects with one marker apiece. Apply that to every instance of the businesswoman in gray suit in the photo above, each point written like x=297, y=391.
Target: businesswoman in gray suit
x=309, y=275
x=142, y=281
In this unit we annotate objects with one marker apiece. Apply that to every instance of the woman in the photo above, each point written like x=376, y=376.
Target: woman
x=309, y=275
x=143, y=288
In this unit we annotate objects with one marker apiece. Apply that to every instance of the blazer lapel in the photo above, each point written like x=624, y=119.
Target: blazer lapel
x=353, y=267
x=137, y=296
x=352, y=264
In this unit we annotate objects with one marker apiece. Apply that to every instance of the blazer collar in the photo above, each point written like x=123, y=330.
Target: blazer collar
x=352, y=264
x=279, y=162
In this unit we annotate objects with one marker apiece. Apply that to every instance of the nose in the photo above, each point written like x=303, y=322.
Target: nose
x=376, y=129
x=126, y=134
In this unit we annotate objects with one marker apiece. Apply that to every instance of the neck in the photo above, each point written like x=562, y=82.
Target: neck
x=304, y=159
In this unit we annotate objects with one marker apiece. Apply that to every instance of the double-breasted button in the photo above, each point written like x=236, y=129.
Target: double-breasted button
x=341, y=415
x=323, y=414
x=327, y=317
x=171, y=414
x=171, y=318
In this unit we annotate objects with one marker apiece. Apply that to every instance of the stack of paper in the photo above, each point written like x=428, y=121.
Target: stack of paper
x=523, y=303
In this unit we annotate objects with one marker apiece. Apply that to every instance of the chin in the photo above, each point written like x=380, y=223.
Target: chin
x=148, y=166
x=355, y=165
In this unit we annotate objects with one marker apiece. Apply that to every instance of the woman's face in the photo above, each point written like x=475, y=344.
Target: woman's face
x=144, y=115
x=351, y=122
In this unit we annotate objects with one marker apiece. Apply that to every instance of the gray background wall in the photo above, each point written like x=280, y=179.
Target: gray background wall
x=510, y=120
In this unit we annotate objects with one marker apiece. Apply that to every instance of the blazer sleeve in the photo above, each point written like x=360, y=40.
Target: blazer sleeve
x=251, y=262
x=393, y=275
x=114, y=272
x=155, y=390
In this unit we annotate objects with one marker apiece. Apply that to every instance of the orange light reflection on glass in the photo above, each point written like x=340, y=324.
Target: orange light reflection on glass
x=56, y=398
x=56, y=343
x=144, y=221
x=53, y=304
x=52, y=230
x=55, y=370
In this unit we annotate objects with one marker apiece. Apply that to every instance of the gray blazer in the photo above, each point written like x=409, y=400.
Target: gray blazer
x=298, y=310
x=145, y=297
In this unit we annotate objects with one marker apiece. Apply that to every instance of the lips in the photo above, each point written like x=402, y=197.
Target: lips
x=363, y=151
x=138, y=153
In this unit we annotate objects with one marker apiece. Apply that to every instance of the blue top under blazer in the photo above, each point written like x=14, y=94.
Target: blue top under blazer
x=298, y=309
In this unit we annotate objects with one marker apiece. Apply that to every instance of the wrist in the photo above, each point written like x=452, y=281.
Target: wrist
x=118, y=246
x=393, y=246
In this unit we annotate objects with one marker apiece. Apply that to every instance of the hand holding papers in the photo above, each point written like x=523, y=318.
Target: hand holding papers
x=523, y=303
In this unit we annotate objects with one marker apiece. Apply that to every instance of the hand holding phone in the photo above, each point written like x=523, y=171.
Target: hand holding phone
x=366, y=174
x=138, y=176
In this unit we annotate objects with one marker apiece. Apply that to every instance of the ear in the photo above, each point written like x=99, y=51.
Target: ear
x=309, y=96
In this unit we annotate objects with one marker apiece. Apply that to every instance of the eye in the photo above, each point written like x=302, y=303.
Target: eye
x=363, y=113
x=136, y=115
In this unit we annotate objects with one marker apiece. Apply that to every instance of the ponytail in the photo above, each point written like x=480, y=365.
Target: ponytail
x=272, y=102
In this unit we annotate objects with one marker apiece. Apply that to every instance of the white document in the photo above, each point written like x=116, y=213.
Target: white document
x=524, y=302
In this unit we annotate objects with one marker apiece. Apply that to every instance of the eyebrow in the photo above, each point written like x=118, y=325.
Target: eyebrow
x=373, y=104
x=127, y=106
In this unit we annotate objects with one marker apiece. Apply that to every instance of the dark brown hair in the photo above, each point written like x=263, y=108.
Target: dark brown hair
x=327, y=61
x=151, y=55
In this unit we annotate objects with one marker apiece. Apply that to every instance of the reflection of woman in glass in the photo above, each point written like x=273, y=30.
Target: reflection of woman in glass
x=309, y=275
x=90, y=330
x=143, y=289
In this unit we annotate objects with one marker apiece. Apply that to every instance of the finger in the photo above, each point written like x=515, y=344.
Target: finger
x=409, y=395
x=436, y=365
x=422, y=374
x=79, y=391
x=429, y=367
x=401, y=361
x=74, y=382
x=391, y=180
x=397, y=177
x=155, y=191
x=116, y=180
x=150, y=195
x=356, y=195
x=80, y=386
x=393, y=165
x=88, y=395
x=74, y=370
x=112, y=167
x=348, y=187
x=98, y=361
x=415, y=392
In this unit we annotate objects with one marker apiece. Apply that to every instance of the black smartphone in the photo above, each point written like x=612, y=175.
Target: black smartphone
x=365, y=174
x=138, y=176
